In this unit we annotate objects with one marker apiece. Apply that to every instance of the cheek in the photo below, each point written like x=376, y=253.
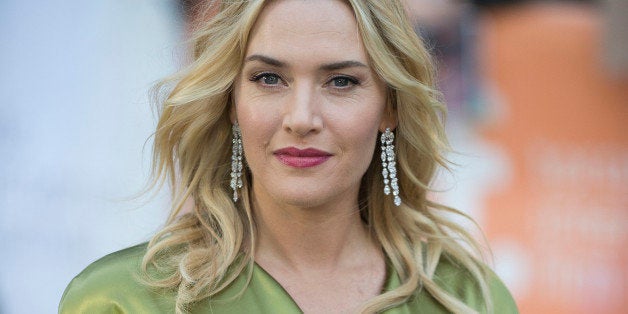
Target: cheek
x=367, y=143
x=258, y=127
x=360, y=124
x=254, y=116
x=360, y=135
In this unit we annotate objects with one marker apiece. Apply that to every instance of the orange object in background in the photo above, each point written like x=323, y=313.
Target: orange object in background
x=561, y=220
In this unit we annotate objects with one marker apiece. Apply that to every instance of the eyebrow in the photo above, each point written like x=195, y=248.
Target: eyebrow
x=267, y=60
x=342, y=65
x=325, y=67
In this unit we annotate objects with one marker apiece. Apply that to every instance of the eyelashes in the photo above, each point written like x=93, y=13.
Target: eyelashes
x=343, y=81
x=267, y=79
x=334, y=81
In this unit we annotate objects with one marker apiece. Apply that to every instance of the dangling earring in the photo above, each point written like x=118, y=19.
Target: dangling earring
x=389, y=168
x=236, y=161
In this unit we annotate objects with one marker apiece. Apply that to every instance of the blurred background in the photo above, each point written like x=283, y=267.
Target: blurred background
x=538, y=99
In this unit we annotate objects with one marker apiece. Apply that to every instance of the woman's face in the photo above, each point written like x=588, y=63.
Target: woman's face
x=308, y=104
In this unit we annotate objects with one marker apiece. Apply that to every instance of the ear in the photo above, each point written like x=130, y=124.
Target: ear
x=389, y=118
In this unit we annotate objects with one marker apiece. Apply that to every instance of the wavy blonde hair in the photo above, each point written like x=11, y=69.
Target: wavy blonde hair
x=199, y=253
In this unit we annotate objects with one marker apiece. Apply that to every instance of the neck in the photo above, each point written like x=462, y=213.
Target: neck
x=323, y=237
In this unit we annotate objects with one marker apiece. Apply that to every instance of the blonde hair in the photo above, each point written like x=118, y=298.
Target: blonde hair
x=201, y=252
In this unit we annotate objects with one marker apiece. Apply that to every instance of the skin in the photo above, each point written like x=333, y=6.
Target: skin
x=306, y=82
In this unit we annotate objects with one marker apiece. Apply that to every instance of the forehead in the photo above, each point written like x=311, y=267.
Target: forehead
x=307, y=30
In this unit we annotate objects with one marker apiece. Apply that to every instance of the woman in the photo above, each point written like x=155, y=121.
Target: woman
x=272, y=134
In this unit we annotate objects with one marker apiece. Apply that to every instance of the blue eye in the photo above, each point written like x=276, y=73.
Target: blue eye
x=266, y=79
x=343, y=81
x=270, y=79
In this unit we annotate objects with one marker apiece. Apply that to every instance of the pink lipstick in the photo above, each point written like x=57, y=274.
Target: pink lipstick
x=301, y=158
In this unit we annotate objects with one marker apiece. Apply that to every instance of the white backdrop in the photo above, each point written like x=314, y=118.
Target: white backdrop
x=74, y=116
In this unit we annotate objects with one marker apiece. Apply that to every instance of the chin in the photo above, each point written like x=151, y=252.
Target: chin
x=301, y=199
x=305, y=197
x=305, y=192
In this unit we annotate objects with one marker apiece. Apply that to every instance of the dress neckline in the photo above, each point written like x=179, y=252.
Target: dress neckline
x=264, y=278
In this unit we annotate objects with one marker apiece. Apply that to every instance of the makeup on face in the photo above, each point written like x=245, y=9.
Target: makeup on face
x=301, y=158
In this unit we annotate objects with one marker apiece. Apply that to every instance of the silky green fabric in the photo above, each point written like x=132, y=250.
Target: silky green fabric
x=110, y=285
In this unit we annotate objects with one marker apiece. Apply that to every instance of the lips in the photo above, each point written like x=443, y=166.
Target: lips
x=301, y=158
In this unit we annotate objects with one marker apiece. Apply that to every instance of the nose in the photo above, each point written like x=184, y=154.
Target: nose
x=303, y=111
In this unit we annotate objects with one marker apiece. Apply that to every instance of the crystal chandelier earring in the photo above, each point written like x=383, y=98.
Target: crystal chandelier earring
x=389, y=169
x=236, y=161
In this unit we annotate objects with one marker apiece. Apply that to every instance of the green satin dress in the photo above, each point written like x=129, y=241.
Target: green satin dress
x=110, y=285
